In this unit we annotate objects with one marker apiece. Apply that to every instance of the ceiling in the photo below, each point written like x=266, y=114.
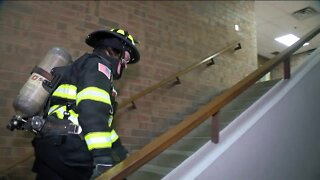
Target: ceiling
x=274, y=19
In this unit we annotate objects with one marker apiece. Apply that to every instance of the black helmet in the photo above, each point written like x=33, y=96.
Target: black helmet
x=126, y=41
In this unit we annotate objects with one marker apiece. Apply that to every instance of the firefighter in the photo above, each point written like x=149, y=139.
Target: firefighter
x=77, y=141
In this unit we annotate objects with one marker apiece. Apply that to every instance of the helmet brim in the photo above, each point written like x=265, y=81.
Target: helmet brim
x=93, y=39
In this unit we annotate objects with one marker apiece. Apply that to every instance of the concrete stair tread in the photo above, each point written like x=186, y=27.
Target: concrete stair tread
x=177, y=152
x=156, y=169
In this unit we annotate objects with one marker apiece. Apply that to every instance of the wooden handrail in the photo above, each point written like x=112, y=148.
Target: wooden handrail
x=162, y=142
x=236, y=46
x=174, y=76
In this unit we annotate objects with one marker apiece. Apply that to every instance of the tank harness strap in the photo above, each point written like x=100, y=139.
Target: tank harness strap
x=52, y=85
x=69, y=106
x=42, y=72
x=54, y=126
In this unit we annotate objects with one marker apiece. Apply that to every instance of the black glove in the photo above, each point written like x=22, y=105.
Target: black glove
x=118, y=151
x=119, y=154
x=102, y=164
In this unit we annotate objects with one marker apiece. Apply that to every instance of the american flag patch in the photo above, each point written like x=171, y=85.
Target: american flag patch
x=105, y=70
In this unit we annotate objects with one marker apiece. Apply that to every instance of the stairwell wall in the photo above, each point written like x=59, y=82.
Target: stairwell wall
x=172, y=36
x=275, y=138
x=282, y=144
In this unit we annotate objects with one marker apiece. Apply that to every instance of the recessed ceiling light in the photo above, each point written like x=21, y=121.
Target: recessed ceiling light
x=306, y=44
x=288, y=39
x=236, y=27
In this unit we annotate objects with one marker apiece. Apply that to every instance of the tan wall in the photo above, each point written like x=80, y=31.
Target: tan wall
x=172, y=36
x=262, y=60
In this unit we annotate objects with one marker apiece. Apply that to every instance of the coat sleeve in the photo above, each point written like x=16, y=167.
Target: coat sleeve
x=94, y=106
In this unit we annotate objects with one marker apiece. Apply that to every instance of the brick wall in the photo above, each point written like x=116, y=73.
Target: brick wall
x=172, y=36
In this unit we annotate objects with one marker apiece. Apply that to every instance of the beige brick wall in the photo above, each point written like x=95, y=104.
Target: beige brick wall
x=172, y=36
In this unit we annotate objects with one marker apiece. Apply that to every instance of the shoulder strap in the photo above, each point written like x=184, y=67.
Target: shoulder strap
x=50, y=86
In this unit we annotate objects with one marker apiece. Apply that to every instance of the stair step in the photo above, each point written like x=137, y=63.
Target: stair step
x=160, y=170
x=150, y=172
x=161, y=165
x=143, y=175
x=170, y=158
x=267, y=84
x=239, y=104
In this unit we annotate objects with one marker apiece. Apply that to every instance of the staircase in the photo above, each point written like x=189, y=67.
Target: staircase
x=177, y=153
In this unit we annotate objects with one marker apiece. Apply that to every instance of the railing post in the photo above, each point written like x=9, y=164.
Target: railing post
x=215, y=128
x=286, y=69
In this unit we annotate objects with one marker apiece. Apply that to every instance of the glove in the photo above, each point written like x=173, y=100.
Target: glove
x=102, y=164
x=119, y=153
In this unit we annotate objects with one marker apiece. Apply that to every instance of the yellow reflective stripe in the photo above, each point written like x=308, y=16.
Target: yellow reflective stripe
x=95, y=94
x=98, y=140
x=52, y=108
x=66, y=91
x=59, y=112
x=73, y=117
x=110, y=120
x=114, y=136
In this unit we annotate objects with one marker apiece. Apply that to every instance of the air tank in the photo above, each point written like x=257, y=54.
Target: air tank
x=32, y=96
